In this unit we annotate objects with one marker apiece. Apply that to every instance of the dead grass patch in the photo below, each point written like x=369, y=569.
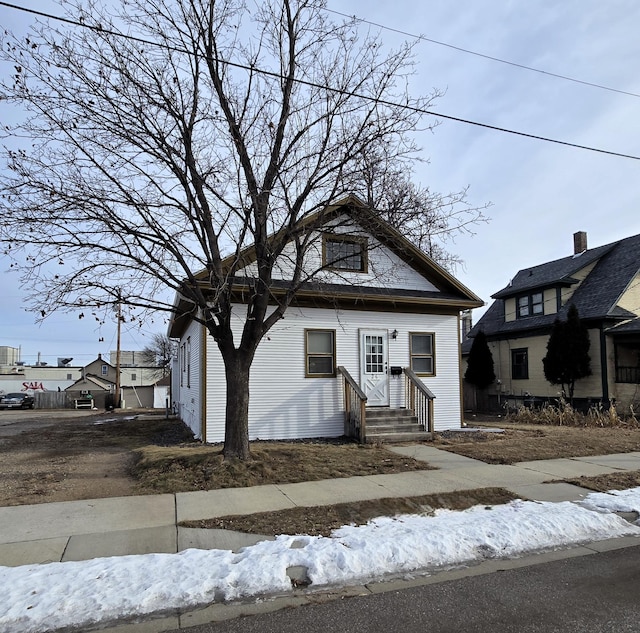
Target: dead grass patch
x=526, y=442
x=612, y=481
x=321, y=521
x=563, y=414
x=199, y=467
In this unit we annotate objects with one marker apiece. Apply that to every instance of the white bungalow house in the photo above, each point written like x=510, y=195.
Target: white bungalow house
x=372, y=341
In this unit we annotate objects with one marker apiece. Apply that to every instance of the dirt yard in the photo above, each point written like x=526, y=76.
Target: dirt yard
x=70, y=458
x=49, y=457
x=102, y=455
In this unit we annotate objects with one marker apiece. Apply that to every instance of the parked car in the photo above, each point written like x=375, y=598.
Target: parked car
x=17, y=401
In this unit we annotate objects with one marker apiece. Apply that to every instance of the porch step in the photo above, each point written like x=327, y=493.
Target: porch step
x=392, y=438
x=392, y=425
x=386, y=412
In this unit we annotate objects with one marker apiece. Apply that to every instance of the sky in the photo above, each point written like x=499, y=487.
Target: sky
x=78, y=594
x=540, y=193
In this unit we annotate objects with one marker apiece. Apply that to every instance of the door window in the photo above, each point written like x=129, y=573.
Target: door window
x=374, y=354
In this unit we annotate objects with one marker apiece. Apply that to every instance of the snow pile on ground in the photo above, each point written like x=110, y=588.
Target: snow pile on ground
x=79, y=594
x=613, y=501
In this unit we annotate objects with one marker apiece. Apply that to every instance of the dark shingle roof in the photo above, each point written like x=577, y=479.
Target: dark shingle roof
x=558, y=272
x=596, y=298
x=598, y=294
x=632, y=326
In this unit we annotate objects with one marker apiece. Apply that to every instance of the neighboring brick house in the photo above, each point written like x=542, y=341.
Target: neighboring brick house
x=604, y=284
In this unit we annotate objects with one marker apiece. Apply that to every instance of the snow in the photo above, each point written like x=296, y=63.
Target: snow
x=80, y=594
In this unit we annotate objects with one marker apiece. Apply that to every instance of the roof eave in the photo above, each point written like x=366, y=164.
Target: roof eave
x=510, y=291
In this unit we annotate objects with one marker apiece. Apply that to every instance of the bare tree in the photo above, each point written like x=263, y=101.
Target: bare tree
x=427, y=218
x=163, y=350
x=156, y=157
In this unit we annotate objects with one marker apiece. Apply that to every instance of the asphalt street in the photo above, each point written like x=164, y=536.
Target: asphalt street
x=586, y=594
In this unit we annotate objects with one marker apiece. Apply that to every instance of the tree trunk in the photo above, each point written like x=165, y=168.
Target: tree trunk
x=236, y=438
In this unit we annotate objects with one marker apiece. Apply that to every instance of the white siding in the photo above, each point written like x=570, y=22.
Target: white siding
x=385, y=268
x=189, y=379
x=286, y=405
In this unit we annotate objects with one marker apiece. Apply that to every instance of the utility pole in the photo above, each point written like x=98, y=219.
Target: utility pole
x=119, y=317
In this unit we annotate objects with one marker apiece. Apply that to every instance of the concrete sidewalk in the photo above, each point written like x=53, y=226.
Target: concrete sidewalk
x=80, y=530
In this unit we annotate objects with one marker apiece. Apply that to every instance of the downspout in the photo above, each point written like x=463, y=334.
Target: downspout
x=460, y=376
x=203, y=385
x=603, y=364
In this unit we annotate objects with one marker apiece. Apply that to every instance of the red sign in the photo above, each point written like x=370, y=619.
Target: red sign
x=33, y=386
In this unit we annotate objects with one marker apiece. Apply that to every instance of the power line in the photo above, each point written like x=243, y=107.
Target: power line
x=484, y=56
x=275, y=75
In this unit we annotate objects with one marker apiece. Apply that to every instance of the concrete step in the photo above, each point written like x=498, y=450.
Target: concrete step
x=386, y=412
x=387, y=419
x=391, y=438
x=390, y=426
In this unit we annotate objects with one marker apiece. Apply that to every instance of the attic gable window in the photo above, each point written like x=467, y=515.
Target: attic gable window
x=344, y=253
x=530, y=305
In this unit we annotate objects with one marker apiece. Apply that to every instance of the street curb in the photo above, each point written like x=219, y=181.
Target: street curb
x=221, y=612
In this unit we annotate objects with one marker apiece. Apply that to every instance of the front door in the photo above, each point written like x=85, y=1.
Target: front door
x=374, y=361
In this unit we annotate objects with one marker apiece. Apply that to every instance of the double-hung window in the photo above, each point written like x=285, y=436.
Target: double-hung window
x=188, y=361
x=520, y=363
x=422, y=352
x=182, y=363
x=320, y=353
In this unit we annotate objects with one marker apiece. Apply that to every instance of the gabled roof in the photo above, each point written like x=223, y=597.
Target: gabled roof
x=452, y=292
x=99, y=360
x=556, y=273
x=598, y=294
x=352, y=206
x=105, y=385
x=596, y=298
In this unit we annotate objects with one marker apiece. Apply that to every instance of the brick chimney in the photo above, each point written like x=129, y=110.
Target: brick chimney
x=579, y=242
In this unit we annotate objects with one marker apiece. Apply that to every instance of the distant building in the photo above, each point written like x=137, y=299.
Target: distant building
x=133, y=359
x=9, y=355
x=603, y=283
x=24, y=378
x=139, y=386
